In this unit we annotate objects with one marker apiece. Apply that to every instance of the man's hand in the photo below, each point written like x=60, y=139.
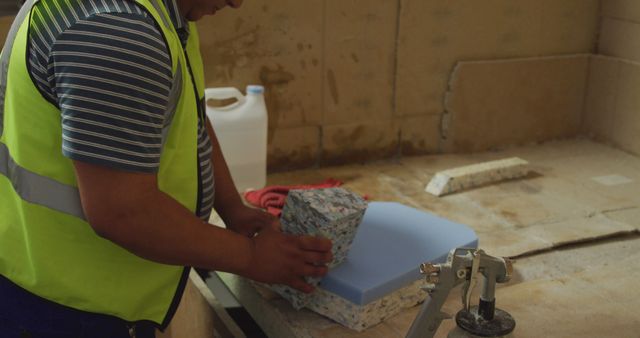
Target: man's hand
x=279, y=258
x=249, y=221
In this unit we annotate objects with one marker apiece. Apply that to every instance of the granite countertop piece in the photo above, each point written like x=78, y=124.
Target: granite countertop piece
x=333, y=213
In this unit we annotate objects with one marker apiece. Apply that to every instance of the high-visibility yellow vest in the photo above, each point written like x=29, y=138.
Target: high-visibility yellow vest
x=46, y=245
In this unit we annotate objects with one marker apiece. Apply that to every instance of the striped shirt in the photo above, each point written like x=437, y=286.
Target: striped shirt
x=106, y=66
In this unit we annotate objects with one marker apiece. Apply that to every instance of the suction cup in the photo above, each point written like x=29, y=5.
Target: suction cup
x=473, y=322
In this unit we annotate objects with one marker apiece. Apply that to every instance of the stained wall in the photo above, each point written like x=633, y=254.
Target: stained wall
x=357, y=80
x=5, y=25
x=353, y=80
x=612, y=111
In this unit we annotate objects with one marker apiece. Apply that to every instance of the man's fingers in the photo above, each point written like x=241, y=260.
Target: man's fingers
x=316, y=271
x=310, y=270
x=318, y=258
x=300, y=284
x=315, y=244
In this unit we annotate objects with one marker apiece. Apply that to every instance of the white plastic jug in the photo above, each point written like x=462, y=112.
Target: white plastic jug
x=241, y=128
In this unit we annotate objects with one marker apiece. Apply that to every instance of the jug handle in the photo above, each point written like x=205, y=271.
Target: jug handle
x=224, y=93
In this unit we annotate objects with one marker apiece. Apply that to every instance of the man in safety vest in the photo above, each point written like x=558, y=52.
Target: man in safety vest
x=109, y=170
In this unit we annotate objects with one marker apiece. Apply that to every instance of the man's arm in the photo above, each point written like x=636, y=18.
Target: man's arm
x=128, y=209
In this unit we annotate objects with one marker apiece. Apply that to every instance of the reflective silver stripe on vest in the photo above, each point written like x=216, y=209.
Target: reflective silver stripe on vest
x=38, y=189
x=30, y=186
x=6, y=54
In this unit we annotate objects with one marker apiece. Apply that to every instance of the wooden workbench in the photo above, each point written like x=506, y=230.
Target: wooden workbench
x=277, y=318
x=559, y=289
x=586, y=290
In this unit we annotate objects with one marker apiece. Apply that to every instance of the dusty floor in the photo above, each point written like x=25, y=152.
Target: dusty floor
x=580, y=192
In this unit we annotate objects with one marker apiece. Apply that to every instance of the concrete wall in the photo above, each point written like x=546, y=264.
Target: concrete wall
x=9, y=7
x=356, y=80
x=495, y=103
x=352, y=80
x=5, y=25
x=612, y=110
x=436, y=35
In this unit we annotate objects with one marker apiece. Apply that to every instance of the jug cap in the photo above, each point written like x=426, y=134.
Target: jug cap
x=255, y=89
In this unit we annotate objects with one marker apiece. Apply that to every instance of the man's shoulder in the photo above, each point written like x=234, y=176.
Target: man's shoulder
x=82, y=33
x=87, y=8
x=51, y=19
x=64, y=14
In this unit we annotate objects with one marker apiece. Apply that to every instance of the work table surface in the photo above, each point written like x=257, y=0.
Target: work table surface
x=575, y=240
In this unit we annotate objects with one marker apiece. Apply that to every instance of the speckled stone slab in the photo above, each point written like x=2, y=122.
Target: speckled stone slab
x=360, y=317
x=333, y=213
x=461, y=178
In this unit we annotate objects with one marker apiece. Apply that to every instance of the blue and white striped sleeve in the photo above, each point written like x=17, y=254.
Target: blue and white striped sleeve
x=111, y=76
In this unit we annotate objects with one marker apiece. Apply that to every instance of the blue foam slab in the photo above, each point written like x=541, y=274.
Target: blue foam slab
x=391, y=242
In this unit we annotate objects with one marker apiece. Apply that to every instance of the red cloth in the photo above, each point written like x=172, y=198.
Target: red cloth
x=272, y=198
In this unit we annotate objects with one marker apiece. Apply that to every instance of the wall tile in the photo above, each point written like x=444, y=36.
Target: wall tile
x=621, y=9
x=359, y=142
x=420, y=134
x=293, y=148
x=620, y=39
x=600, y=102
x=5, y=25
x=434, y=35
x=277, y=43
x=359, y=53
x=568, y=27
x=498, y=103
x=626, y=122
x=612, y=111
